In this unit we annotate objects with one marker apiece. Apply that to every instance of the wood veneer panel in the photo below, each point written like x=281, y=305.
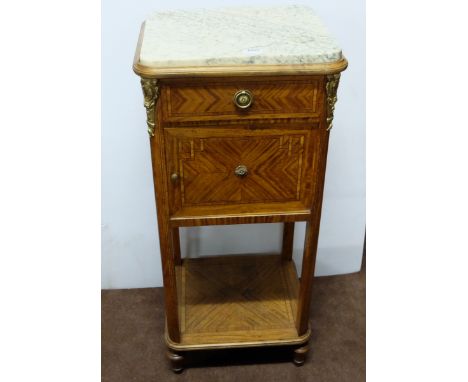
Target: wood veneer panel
x=281, y=167
x=237, y=300
x=208, y=100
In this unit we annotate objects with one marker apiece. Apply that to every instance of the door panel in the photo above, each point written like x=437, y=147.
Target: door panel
x=206, y=160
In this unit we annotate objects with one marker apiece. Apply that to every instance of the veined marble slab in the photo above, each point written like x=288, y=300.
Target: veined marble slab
x=230, y=36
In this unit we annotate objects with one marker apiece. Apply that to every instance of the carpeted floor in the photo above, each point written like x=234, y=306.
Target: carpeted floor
x=133, y=346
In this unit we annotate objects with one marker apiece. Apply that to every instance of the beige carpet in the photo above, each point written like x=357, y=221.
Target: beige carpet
x=133, y=346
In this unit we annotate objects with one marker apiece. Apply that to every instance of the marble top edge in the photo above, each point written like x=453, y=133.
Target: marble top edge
x=254, y=35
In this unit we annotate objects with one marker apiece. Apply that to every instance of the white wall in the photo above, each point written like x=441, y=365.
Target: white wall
x=130, y=248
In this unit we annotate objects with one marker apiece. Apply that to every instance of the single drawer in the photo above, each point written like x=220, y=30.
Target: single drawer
x=240, y=99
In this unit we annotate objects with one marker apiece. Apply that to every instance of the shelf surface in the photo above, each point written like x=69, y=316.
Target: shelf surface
x=237, y=301
x=240, y=214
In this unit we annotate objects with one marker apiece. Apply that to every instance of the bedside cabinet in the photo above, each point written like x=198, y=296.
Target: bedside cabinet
x=239, y=105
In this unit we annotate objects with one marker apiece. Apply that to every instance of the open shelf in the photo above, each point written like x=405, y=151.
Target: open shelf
x=229, y=301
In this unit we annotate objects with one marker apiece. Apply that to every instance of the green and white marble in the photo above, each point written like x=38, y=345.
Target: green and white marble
x=244, y=35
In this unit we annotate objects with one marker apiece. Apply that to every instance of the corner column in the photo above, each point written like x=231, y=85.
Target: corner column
x=313, y=225
x=150, y=88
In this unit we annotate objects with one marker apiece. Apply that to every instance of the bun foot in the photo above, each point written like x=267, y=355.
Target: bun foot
x=176, y=361
x=300, y=355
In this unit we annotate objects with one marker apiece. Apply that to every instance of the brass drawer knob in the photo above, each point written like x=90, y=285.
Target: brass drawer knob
x=241, y=171
x=174, y=177
x=243, y=99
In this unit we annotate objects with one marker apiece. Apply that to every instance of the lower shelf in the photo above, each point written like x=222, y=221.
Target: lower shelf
x=237, y=301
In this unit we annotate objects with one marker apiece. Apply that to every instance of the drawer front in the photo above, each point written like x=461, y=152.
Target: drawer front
x=204, y=101
x=236, y=166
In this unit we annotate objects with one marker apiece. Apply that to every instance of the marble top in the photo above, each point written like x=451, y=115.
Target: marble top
x=232, y=36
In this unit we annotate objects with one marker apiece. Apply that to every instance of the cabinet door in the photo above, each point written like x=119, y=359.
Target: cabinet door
x=212, y=166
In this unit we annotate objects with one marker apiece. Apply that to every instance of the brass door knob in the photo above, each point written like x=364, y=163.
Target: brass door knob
x=174, y=177
x=241, y=171
x=243, y=99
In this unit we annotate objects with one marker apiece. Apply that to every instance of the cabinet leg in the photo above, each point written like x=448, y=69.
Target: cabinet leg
x=300, y=355
x=176, y=360
x=176, y=246
x=307, y=276
x=288, y=239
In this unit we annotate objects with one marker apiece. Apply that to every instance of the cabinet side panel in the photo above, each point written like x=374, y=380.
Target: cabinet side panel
x=312, y=229
x=165, y=234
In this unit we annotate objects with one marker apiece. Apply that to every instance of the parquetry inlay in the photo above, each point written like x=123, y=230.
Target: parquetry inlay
x=207, y=168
